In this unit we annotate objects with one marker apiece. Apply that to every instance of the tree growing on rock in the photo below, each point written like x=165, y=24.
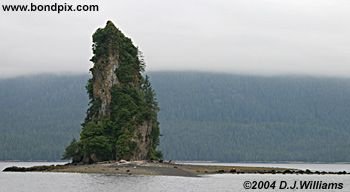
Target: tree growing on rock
x=121, y=122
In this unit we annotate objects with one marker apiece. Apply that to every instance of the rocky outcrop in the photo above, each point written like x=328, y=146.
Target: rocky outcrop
x=142, y=139
x=104, y=78
x=121, y=121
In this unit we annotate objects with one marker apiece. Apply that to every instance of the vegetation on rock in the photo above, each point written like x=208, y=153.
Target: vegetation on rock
x=121, y=122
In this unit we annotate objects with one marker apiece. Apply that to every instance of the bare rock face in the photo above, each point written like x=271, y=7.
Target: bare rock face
x=103, y=81
x=121, y=121
x=142, y=139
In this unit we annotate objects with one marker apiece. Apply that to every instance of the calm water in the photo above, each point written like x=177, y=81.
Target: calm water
x=72, y=182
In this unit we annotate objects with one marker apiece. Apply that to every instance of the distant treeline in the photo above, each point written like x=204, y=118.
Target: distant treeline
x=204, y=116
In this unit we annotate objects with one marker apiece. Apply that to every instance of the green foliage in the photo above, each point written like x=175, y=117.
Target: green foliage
x=142, y=64
x=94, y=106
x=115, y=136
x=72, y=150
x=155, y=154
x=125, y=146
x=94, y=140
x=99, y=146
x=131, y=108
x=105, y=40
x=130, y=66
x=89, y=89
x=150, y=114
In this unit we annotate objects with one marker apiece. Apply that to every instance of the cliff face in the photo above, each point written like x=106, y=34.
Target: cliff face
x=121, y=121
x=104, y=78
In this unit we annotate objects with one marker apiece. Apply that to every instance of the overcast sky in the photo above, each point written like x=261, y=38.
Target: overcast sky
x=239, y=36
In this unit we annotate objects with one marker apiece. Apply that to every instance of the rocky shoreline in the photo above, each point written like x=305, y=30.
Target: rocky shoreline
x=162, y=169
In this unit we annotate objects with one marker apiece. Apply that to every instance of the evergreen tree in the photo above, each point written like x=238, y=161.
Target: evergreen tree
x=121, y=122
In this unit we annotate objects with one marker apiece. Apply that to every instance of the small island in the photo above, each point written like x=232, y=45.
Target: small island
x=120, y=134
x=149, y=168
x=161, y=168
x=121, y=122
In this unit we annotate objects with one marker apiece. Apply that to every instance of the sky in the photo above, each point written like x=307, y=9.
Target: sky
x=267, y=37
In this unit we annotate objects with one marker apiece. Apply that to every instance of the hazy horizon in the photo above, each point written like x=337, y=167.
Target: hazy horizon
x=63, y=74
x=254, y=37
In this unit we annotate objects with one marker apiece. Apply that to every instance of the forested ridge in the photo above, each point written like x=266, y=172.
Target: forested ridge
x=203, y=116
x=39, y=115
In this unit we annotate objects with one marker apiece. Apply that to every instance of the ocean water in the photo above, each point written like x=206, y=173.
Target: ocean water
x=75, y=182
